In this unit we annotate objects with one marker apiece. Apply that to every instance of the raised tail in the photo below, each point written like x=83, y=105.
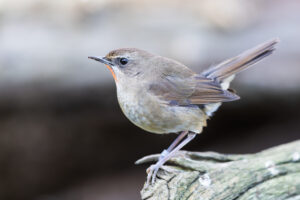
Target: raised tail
x=225, y=71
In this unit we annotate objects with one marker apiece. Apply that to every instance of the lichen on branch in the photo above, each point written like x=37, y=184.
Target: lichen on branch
x=271, y=174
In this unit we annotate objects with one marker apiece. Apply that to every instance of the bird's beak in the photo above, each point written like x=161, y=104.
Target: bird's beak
x=102, y=60
x=108, y=64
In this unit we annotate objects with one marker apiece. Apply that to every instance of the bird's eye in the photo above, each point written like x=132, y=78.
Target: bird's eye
x=123, y=61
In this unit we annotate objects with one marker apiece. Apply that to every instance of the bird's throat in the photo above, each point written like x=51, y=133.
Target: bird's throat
x=112, y=72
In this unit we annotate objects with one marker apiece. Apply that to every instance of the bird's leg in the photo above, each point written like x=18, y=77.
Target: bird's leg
x=174, y=143
x=152, y=171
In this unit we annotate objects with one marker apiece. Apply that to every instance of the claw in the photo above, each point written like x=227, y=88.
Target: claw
x=149, y=176
x=164, y=157
x=153, y=169
x=154, y=174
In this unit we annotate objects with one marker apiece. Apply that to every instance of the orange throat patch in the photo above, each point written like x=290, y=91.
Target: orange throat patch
x=112, y=72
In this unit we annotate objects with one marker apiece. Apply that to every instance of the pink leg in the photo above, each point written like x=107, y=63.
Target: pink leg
x=173, y=145
x=177, y=140
x=154, y=168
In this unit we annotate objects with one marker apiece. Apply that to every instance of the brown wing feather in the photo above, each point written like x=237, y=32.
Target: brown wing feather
x=193, y=90
x=209, y=91
x=185, y=87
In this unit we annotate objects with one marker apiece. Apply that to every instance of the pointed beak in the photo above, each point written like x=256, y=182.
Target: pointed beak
x=108, y=64
x=102, y=60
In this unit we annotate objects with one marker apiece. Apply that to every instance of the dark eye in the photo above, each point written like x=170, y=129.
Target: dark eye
x=123, y=61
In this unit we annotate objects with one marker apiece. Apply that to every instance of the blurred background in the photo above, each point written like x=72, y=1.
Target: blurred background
x=62, y=133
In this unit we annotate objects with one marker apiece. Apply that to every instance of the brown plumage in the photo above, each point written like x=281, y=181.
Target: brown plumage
x=206, y=87
x=161, y=95
x=241, y=62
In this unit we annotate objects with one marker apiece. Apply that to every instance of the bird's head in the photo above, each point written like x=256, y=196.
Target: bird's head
x=126, y=63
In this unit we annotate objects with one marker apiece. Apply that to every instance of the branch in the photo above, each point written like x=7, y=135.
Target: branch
x=270, y=174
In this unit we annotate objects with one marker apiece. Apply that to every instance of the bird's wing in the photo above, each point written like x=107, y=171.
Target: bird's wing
x=195, y=89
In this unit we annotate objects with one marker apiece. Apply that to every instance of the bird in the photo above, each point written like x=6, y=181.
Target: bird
x=162, y=95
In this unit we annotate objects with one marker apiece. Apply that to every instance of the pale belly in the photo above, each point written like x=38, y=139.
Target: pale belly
x=150, y=114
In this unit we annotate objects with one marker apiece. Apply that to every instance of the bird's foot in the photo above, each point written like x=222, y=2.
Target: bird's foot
x=164, y=157
x=153, y=169
x=152, y=172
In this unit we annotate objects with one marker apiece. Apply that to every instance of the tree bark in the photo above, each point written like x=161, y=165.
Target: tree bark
x=270, y=174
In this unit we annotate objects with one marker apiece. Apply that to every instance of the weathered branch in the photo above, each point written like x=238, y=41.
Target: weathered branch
x=270, y=174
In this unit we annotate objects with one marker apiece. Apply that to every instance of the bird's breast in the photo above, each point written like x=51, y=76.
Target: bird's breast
x=142, y=110
x=148, y=112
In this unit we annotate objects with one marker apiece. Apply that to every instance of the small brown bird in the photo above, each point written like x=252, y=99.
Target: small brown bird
x=161, y=95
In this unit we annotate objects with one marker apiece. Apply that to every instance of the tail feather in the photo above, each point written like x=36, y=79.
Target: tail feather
x=230, y=67
x=225, y=72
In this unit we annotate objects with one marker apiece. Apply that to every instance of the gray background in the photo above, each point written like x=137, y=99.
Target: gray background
x=62, y=133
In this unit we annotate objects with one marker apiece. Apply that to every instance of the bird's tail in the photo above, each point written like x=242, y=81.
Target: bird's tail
x=225, y=71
